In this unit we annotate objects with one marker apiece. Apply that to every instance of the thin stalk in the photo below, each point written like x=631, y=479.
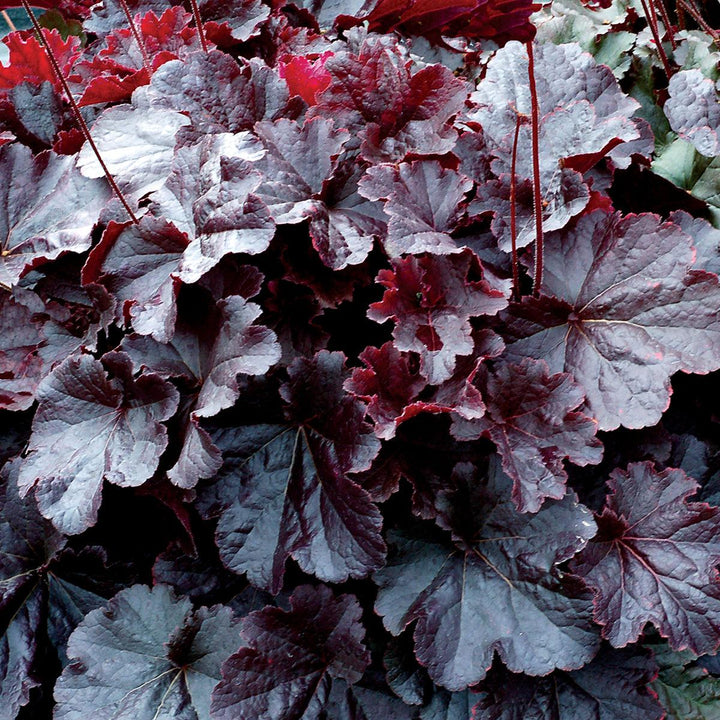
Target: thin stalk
x=199, y=25
x=651, y=17
x=136, y=35
x=666, y=22
x=6, y=17
x=537, y=195
x=691, y=9
x=513, y=214
x=76, y=110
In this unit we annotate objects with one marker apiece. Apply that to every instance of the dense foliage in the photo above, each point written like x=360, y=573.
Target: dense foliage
x=305, y=418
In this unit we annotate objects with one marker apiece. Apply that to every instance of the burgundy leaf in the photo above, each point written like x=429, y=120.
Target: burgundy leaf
x=620, y=314
x=139, y=265
x=291, y=657
x=424, y=202
x=284, y=490
x=88, y=428
x=210, y=195
x=532, y=418
x=47, y=208
x=693, y=110
x=403, y=114
x=147, y=655
x=654, y=559
x=432, y=299
x=614, y=686
x=497, y=591
x=305, y=78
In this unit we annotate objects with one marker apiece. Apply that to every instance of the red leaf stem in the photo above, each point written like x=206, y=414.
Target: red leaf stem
x=199, y=25
x=136, y=35
x=651, y=17
x=537, y=195
x=76, y=110
x=666, y=22
x=513, y=213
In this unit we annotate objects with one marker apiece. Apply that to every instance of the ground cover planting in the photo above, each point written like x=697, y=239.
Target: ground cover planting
x=359, y=360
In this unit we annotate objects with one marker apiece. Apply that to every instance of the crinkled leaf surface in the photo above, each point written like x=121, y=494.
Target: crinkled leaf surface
x=424, y=202
x=210, y=195
x=292, y=654
x=693, y=110
x=393, y=111
x=654, y=559
x=532, y=418
x=147, y=655
x=218, y=93
x=620, y=314
x=496, y=590
x=432, y=299
x=299, y=159
x=89, y=427
x=47, y=208
x=614, y=686
x=139, y=265
x=284, y=490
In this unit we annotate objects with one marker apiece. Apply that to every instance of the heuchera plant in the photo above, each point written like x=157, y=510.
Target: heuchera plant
x=359, y=360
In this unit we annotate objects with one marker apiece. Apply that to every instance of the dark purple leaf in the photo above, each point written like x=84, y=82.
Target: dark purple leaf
x=653, y=560
x=562, y=201
x=299, y=160
x=532, y=418
x=139, y=264
x=498, y=590
x=210, y=353
x=88, y=428
x=693, y=110
x=47, y=208
x=21, y=366
x=147, y=655
x=614, y=686
x=432, y=299
x=403, y=114
x=284, y=490
x=210, y=196
x=424, y=202
x=620, y=315
x=28, y=542
x=286, y=670
x=219, y=94
x=137, y=144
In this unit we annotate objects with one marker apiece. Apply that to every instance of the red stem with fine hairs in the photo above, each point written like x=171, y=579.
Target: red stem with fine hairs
x=651, y=17
x=76, y=110
x=666, y=22
x=691, y=9
x=199, y=25
x=537, y=195
x=136, y=35
x=513, y=214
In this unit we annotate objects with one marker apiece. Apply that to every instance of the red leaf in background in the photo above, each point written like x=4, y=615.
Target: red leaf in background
x=28, y=61
x=501, y=20
x=69, y=8
x=118, y=69
x=305, y=78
